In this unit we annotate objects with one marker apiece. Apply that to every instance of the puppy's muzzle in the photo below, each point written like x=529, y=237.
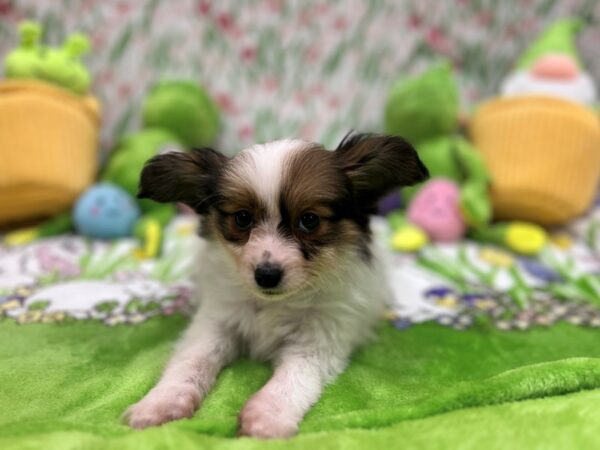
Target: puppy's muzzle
x=268, y=275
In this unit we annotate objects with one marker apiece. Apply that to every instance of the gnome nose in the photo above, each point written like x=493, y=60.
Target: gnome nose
x=555, y=67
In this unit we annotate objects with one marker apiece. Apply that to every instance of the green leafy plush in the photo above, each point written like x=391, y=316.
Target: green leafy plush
x=424, y=110
x=185, y=109
x=423, y=107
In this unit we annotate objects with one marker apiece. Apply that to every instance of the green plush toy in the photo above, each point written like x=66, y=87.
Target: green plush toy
x=59, y=66
x=123, y=170
x=425, y=110
x=180, y=106
x=453, y=157
x=128, y=158
x=423, y=107
x=62, y=66
x=24, y=60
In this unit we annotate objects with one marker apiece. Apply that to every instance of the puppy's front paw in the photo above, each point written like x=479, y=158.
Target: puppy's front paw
x=163, y=404
x=261, y=418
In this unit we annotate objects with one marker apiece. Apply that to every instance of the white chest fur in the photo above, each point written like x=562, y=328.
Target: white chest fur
x=338, y=316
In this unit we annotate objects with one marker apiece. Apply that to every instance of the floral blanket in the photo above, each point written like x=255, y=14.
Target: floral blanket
x=461, y=283
x=72, y=278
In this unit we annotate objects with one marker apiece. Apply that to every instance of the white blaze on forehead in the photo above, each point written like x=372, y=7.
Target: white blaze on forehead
x=267, y=245
x=262, y=167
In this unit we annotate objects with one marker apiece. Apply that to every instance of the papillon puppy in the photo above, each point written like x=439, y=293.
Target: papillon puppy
x=287, y=271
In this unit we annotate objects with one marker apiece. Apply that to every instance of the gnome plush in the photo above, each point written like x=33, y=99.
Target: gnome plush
x=425, y=110
x=551, y=66
x=541, y=140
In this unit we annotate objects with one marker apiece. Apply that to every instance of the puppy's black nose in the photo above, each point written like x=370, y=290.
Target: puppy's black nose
x=268, y=275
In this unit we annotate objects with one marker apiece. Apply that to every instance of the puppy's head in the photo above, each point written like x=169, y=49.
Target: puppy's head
x=288, y=212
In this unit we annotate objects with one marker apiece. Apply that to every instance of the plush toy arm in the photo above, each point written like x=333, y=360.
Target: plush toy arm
x=58, y=225
x=475, y=204
x=472, y=163
x=474, y=197
x=148, y=229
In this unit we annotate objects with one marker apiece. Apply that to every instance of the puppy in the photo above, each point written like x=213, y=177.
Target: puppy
x=287, y=272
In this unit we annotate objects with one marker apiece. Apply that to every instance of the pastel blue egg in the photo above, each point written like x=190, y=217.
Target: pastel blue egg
x=105, y=211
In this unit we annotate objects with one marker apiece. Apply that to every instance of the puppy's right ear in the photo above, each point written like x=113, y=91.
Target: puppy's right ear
x=187, y=177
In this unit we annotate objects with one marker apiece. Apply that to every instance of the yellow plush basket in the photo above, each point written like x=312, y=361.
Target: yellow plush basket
x=543, y=154
x=48, y=148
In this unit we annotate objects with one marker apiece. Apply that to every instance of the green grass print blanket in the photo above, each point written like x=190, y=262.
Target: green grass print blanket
x=464, y=361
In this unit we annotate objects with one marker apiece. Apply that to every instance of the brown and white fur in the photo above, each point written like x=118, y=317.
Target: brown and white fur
x=289, y=288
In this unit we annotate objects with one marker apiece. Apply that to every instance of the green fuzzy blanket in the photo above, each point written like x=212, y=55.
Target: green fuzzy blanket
x=65, y=386
x=507, y=356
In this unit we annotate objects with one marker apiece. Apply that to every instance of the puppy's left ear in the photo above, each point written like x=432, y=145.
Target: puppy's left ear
x=187, y=177
x=376, y=164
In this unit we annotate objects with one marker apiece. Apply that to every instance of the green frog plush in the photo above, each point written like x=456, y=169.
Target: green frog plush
x=425, y=110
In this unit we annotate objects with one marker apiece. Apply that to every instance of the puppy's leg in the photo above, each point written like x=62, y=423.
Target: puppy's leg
x=189, y=375
x=276, y=410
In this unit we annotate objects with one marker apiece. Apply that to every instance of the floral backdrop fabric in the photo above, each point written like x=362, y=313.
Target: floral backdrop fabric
x=310, y=68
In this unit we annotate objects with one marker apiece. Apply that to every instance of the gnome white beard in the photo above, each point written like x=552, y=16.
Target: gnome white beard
x=580, y=89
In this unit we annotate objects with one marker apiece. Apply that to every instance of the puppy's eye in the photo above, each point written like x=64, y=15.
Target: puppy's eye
x=309, y=222
x=243, y=219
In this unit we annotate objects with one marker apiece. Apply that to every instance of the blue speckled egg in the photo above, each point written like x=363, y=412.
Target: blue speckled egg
x=105, y=211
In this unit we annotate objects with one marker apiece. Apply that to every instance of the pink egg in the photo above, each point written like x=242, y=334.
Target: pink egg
x=436, y=209
x=555, y=66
